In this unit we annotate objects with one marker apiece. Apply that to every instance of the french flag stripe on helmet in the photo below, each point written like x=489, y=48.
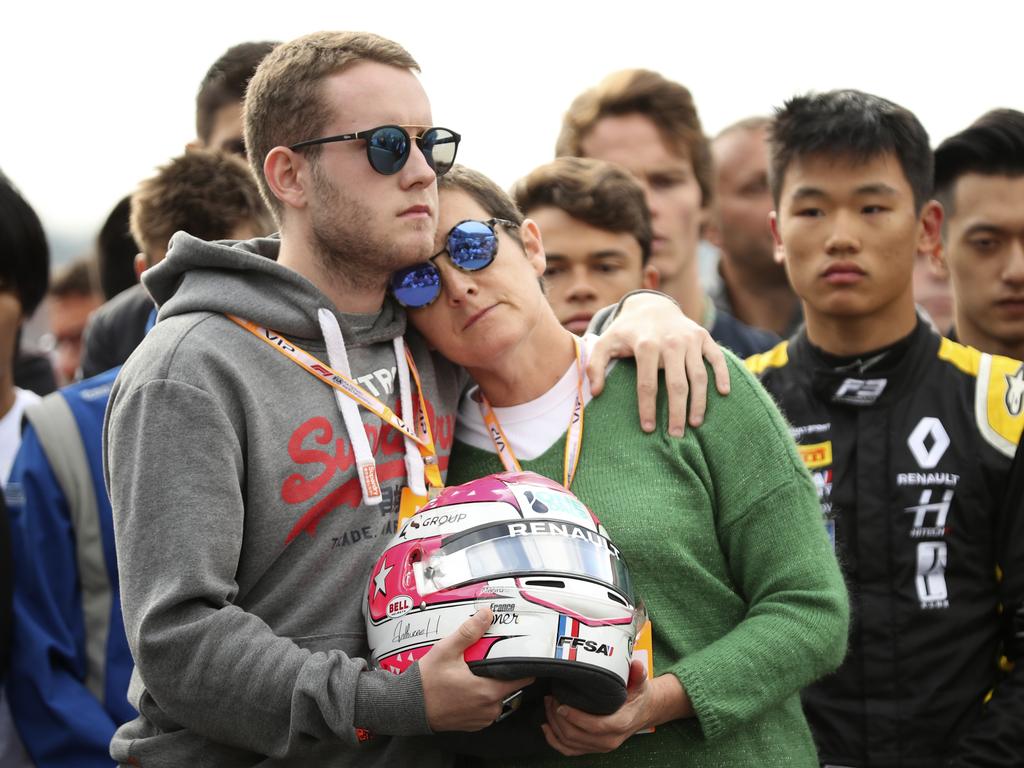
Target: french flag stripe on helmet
x=567, y=627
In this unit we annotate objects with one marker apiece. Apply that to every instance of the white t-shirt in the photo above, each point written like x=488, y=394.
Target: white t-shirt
x=10, y=430
x=533, y=427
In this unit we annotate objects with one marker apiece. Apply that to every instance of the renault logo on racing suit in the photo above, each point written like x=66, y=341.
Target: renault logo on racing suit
x=928, y=442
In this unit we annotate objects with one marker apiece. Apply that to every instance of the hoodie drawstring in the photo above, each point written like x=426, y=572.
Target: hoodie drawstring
x=414, y=469
x=365, y=465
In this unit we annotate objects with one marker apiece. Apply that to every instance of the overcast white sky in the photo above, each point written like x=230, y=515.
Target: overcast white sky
x=95, y=95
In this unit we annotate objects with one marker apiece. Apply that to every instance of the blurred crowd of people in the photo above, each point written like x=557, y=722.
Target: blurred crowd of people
x=874, y=285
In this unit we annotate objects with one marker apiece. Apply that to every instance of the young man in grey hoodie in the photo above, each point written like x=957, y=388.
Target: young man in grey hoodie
x=250, y=499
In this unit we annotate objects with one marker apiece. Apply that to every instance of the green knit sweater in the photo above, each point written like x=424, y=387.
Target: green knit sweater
x=723, y=536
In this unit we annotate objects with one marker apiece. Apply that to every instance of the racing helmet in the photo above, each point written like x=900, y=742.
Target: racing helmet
x=564, y=607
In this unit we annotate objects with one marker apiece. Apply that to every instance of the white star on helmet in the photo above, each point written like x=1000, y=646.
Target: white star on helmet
x=380, y=580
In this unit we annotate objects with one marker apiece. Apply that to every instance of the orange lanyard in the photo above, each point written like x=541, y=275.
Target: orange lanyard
x=421, y=435
x=573, y=437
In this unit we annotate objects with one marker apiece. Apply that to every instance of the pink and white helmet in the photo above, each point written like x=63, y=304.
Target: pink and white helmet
x=522, y=545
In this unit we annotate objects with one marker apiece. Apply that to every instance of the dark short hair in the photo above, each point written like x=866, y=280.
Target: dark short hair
x=993, y=145
x=488, y=195
x=77, y=278
x=204, y=193
x=593, y=191
x=25, y=265
x=116, y=251
x=854, y=125
x=667, y=104
x=225, y=82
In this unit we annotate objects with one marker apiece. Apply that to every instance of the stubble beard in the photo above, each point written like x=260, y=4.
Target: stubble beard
x=343, y=242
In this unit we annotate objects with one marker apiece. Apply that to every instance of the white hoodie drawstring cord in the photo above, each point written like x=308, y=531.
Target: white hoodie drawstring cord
x=414, y=469
x=338, y=358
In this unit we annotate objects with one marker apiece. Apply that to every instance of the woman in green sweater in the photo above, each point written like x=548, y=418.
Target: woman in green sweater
x=721, y=528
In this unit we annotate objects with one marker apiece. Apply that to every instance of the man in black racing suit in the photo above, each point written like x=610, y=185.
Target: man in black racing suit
x=912, y=441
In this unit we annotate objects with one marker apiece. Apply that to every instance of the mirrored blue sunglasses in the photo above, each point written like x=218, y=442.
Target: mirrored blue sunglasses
x=471, y=245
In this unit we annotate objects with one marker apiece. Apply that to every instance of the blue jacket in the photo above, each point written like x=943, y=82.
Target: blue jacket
x=741, y=339
x=70, y=663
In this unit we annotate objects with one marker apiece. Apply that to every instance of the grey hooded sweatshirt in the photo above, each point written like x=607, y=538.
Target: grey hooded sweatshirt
x=243, y=542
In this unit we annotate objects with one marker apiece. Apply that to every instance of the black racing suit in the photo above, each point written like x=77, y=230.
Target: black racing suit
x=913, y=450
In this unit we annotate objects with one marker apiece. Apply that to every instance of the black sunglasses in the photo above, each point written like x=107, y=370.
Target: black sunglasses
x=471, y=245
x=388, y=147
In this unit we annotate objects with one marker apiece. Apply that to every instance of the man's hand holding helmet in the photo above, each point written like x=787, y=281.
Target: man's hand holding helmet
x=456, y=699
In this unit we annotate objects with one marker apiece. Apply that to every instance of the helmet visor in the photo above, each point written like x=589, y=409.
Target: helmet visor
x=528, y=548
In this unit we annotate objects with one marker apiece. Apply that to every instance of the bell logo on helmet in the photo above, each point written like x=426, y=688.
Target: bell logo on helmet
x=399, y=606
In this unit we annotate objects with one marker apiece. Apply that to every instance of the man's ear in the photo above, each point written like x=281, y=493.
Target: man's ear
x=713, y=230
x=706, y=219
x=144, y=261
x=780, y=249
x=286, y=172
x=533, y=245
x=929, y=236
x=140, y=264
x=195, y=144
x=937, y=261
x=651, y=279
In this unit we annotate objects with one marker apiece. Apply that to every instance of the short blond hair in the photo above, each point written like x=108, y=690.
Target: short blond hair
x=665, y=103
x=207, y=194
x=284, y=104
